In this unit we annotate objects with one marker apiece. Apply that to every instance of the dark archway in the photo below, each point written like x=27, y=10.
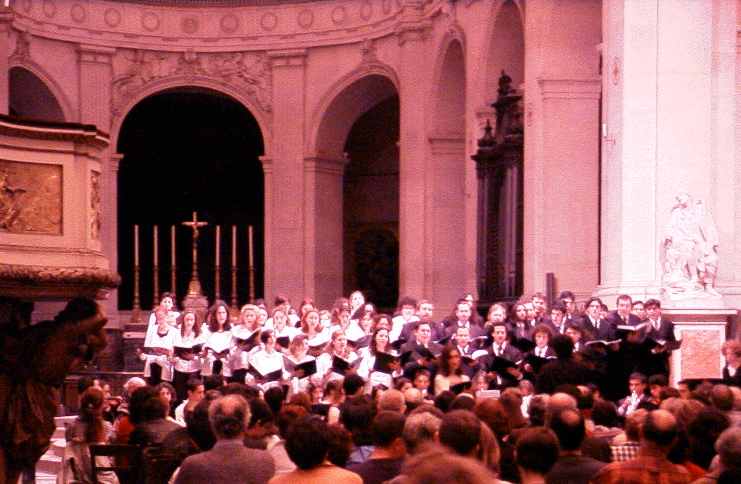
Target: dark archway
x=189, y=149
x=31, y=98
x=371, y=205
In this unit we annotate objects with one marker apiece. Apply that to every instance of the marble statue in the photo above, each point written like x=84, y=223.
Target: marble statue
x=690, y=251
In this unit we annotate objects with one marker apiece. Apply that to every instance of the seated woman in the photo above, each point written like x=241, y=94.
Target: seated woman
x=89, y=428
x=450, y=370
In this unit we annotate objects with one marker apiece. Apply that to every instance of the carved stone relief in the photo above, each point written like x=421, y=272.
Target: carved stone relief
x=134, y=71
x=22, y=46
x=305, y=18
x=30, y=197
x=78, y=13
x=96, y=216
x=366, y=10
x=150, y=21
x=229, y=23
x=49, y=8
x=339, y=15
x=269, y=21
x=112, y=17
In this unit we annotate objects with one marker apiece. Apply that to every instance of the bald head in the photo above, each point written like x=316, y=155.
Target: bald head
x=568, y=425
x=659, y=429
x=229, y=416
x=559, y=402
x=413, y=396
x=392, y=400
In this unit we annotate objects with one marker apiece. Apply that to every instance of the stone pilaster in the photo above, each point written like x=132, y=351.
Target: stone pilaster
x=285, y=264
x=6, y=17
x=95, y=85
x=323, y=228
x=413, y=65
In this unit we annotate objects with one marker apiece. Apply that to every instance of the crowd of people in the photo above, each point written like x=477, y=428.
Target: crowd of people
x=527, y=394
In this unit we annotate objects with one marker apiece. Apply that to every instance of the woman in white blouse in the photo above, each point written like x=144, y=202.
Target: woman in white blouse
x=187, y=364
x=379, y=344
x=337, y=347
x=244, y=328
x=267, y=359
x=158, y=347
x=219, y=342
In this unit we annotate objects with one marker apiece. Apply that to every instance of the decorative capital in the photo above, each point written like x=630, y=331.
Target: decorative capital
x=329, y=166
x=412, y=31
x=94, y=54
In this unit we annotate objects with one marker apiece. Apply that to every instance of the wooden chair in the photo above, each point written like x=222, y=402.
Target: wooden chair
x=125, y=461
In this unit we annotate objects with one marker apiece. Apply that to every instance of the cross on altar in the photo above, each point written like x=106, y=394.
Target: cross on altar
x=195, y=224
x=194, y=287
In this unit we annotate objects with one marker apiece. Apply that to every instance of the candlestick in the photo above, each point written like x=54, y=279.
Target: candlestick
x=234, y=245
x=154, y=237
x=173, y=264
x=249, y=233
x=217, y=282
x=136, y=245
x=156, y=267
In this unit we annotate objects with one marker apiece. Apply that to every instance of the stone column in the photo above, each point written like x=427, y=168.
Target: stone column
x=668, y=80
x=285, y=264
x=6, y=17
x=561, y=166
x=323, y=228
x=414, y=273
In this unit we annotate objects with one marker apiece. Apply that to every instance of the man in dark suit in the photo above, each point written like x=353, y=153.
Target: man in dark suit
x=422, y=349
x=425, y=310
x=568, y=299
x=229, y=460
x=623, y=316
x=596, y=327
x=571, y=466
x=463, y=319
x=662, y=331
x=565, y=369
x=502, y=349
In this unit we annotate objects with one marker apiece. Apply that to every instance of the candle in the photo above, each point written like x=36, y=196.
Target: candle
x=218, y=245
x=249, y=233
x=172, y=244
x=154, y=236
x=234, y=245
x=136, y=245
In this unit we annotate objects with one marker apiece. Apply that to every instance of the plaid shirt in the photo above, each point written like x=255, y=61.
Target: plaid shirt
x=644, y=469
x=626, y=451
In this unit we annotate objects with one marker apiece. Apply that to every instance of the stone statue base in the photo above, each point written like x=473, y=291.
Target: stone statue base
x=703, y=332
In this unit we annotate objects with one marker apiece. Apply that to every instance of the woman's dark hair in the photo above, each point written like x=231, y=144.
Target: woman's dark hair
x=265, y=335
x=146, y=405
x=196, y=323
x=444, y=399
x=372, y=345
x=213, y=324
x=91, y=413
x=444, y=360
x=307, y=442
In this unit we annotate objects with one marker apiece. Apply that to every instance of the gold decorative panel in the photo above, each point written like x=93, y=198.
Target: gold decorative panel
x=95, y=215
x=700, y=353
x=30, y=198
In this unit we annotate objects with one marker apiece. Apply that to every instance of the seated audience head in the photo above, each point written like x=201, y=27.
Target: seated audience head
x=604, y=413
x=461, y=431
x=538, y=409
x=464, y=401
x=563, y=346
x=721, y=397
x=492, y=413
x=229, y=416
x=637, y=383
x=340, y=445
x=702, y=433
x=307, y=442
x=357, y=417
x=392, y=400
x=659, y=430
x=387, y=431
x=198, y=424
x=420, y=429
x=634, y=423
x=353, y=385
x=436, y=464
x=444, y=400
x=213, y=382
x=146, y=405
x=568, y=425
x=536, y=451
x=560, y=401
x=287, y=416
x=728, y=447
x=131, y=385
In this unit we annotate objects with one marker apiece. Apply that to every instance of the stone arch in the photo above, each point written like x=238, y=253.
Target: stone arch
x=505, y=48
x=262, y=118
x=448, y=97
x=49, y=101
x=344, y=103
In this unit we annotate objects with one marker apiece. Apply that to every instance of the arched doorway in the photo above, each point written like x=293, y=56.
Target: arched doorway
x=31, y=98
x=361, y=122
x=185, y=150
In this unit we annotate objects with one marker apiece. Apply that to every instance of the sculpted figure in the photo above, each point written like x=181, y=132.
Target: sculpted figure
x=34, y=362
x=690, y=258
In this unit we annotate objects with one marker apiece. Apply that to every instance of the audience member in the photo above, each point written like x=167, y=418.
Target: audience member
x=386, y=460
x=229, y=460
x=571, y=466
x=535, y=454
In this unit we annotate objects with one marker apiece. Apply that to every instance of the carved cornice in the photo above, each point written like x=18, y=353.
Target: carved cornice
x=139, y=71
x=570, y=88
x=24, y=128
x=41, y=282
x=260, y=25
